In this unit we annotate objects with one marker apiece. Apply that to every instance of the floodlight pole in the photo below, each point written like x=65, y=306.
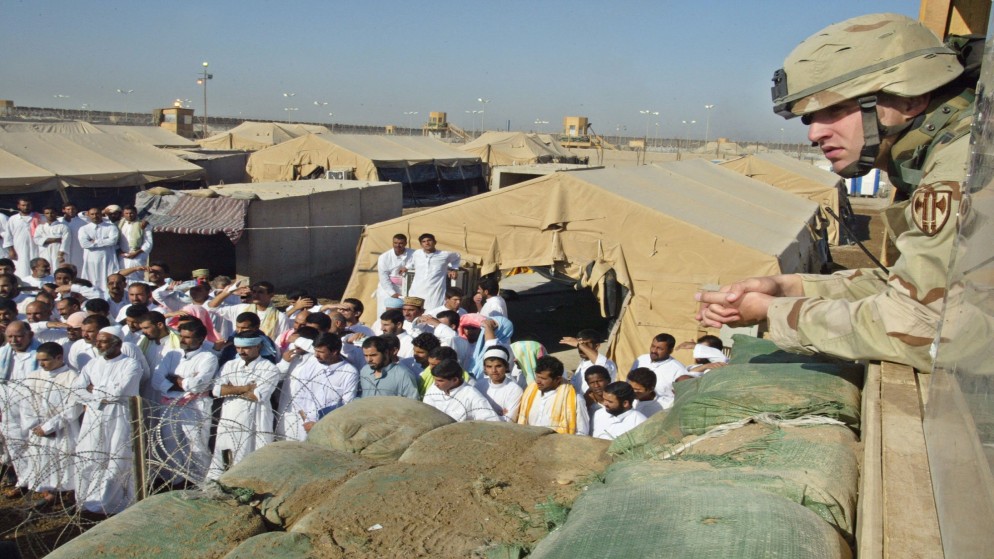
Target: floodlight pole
x=707, y=127
x=203, y=81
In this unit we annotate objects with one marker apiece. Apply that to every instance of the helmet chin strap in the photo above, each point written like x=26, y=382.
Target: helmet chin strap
x=871, y=140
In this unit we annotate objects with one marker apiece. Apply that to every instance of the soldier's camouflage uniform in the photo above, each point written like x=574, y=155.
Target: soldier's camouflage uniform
x=866, y=314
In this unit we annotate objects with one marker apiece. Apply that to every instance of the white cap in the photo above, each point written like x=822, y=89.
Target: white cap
x=114, y=330
x=713, y=355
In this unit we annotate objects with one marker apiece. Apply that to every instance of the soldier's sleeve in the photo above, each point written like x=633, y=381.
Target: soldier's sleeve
x=899, y=322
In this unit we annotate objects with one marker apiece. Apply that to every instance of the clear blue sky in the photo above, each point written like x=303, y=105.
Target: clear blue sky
x=372, y=61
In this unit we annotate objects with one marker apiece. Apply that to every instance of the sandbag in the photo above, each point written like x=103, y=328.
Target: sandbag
x=173, y=525
x=378, y=428
x=750, y=349
x=502, y=450
x=408, y=510
x=284, y=545
x=666, y=520
x=815, y=466
x=735, y=392
x=289, y=477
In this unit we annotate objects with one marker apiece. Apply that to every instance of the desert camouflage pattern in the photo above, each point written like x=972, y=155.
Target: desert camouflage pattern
x=865, y=314
x=864, y=55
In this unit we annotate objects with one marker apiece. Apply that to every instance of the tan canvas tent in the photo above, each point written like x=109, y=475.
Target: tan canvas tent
x=514, y=148
x=796, y=177
x=404, y=159
x=660, y=231
x=251, y=136
x=90, y=160
x=148, y=135
x=60, y=127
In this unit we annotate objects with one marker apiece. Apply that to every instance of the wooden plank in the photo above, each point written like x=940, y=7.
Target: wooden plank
x=910, y=521
x=869, y=530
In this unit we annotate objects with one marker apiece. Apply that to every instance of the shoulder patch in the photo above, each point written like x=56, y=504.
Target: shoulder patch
x=930, y=209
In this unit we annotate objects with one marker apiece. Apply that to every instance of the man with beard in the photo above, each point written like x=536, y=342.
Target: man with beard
x=50, y=415
x=99, y=240
x=105, y=462
x=617, y=417
x=381, y=376
x=185, y=382
x=52, y=238
x=660, y=361
x=18, y=237
x=552, y=402
x=135, y=241
x=70, y=217
x=17, y=360
x=85, y=350
x=246, y=423
x=10, y=288
x=319, y=385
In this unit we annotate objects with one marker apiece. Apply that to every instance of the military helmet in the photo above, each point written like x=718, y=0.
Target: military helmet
x=887, y=53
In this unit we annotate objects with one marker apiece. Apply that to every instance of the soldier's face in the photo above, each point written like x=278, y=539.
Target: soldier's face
x=838, y=132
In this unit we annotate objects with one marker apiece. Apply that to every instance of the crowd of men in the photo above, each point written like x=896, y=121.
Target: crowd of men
x=221, y=371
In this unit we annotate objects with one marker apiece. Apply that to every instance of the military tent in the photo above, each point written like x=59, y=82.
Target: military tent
x=424, y=166
x=515, y=148
x=802, y=179
x=84, y=160
x=149, y=135
x=251, y=136
x=644, y=238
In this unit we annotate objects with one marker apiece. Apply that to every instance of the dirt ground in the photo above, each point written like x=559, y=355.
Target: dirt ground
x=550, y=316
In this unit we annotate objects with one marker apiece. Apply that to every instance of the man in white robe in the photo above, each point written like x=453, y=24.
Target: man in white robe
x=50, y=413
x=105, y=481
x=246, y=423
x=617, y=417
x=99, y=240
x=184, y=427
x=431, y=268
x=70, y=217
x=503, y=393
x=18, y=237
x=390, y=280
x=488, y=290
x=18, y=358
x=135, y=242
x=322, y=383
x=259, y=300
x=85, y=349
x=660, y=361
x=452, y=396
x=52, y=239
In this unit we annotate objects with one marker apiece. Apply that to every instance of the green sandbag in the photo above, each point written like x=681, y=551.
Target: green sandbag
x=290, y=477
x=750, y=349
x=815, y=466
x=501, y=450
x=379, y=428
x=735, y=392
x=284, y=545
x=174, y=525
x=665, y=520
x=437, y=511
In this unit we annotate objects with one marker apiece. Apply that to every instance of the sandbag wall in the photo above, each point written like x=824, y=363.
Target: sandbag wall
x=381, y=477
x=755, y=459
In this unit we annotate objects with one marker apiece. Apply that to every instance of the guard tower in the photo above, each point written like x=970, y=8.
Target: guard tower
x=176, y=119
x=575, y=132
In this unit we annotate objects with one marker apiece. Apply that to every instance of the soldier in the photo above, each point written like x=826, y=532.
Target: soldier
x=875, y=91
